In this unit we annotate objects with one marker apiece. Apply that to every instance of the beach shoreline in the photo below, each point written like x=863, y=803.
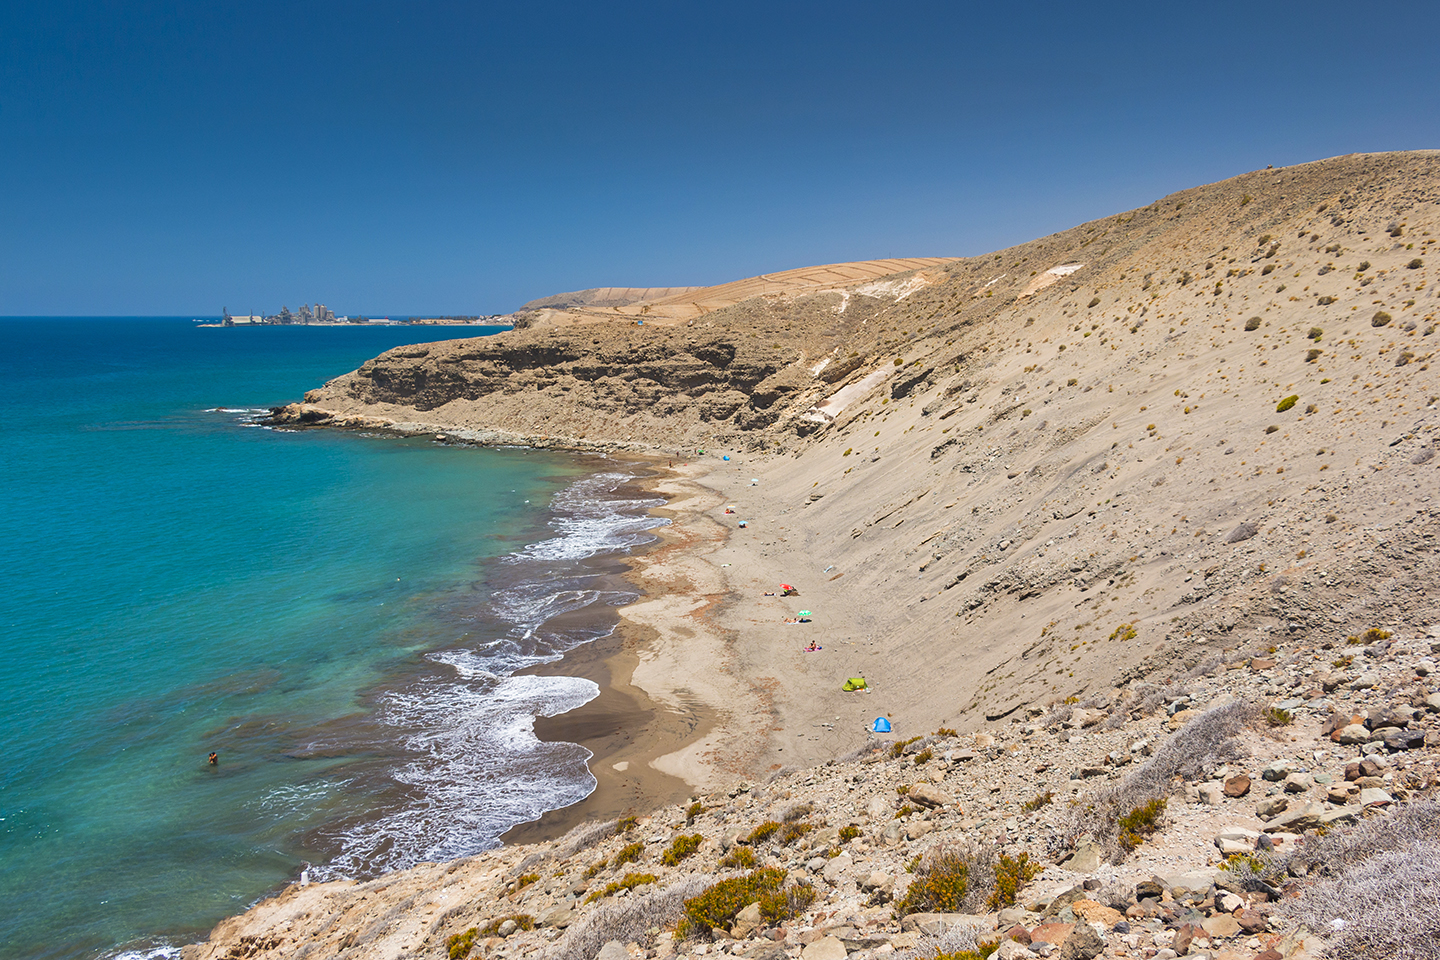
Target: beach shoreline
x=645, y=725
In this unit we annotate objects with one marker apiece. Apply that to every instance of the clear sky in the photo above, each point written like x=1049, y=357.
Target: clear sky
x=463, y=157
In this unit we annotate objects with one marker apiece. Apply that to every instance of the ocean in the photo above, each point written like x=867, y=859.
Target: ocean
x=337, y=616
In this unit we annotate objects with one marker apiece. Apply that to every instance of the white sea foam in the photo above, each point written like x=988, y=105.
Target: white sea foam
x=479, y=770
x=476, y=768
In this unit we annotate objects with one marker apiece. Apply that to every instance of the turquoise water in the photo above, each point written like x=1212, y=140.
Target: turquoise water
x=336, y=615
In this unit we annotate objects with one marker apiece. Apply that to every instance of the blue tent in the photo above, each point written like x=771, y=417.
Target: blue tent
x=881, y=725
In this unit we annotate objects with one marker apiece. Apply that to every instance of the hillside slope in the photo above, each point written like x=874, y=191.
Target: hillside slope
x=1037, y=472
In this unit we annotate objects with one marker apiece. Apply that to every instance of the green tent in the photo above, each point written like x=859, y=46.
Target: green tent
x=854, y=683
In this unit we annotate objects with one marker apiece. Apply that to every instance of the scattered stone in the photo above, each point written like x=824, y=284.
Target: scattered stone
x=826, y=948
x=1237, y=785
x=1082, y=944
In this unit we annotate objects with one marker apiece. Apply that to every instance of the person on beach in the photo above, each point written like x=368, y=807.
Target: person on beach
x=214, y=759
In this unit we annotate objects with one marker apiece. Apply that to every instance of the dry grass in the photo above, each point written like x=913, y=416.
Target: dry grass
x=1204, y=742
x=1381, y=878
x=627, y=920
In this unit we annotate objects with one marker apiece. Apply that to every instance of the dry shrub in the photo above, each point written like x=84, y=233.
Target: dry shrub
x=951, y=878
x=627, y=920
x=957, y=939
x=1382, y=878
x=584, y=836
x=1204, y=743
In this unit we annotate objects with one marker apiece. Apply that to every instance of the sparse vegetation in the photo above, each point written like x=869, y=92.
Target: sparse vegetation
x=458, y=947
x=1039, y=800
x=629, y=882
x=1011, y=874
x=763, y=832
x=739, y=857
x=630, y=853
x=1252, y=324
x=1140, y=823
x=1093, y=303
x=680, y=848
x=1315, y=334
x=1276, y=717
x=1124, y=632
x=1313, y=354
x=523, y=921
x=1380, y=319
x=717, y=906
x=1287, y=403
x=849, y=832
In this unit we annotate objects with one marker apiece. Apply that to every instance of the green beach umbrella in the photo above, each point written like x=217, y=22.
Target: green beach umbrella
x=804, y=613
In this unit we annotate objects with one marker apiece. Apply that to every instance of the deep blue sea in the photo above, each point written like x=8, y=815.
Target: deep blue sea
x=335, y=615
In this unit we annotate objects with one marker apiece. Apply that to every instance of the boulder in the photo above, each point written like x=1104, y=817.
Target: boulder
x=837, y=867
x=1352, y=734
x=1271, y=807
x=1086, y=858
x=1298, y=783
x=1236, y=840
x=1397, y=740
x=929, y=795
x=1375, y=797
x=1237, y=785
x=1296, y=821
x=1277, y=770
x=1220, y=925
x=826, y=948
x=1211, y=793
x=614, y=950
x=747, y=921
x=1082, y=944
x=558, y=916
x=1052, y=932
x=1252, y=921
x=1093, y=912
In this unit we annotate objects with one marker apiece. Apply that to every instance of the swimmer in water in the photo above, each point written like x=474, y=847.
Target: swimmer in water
x=214, y=759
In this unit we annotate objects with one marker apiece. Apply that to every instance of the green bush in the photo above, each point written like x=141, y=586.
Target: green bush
x=786, y=904
x=1011, y=873
x=1038, y=801
x=694, y=811
x=1380, y=319
x=630, y=853
x=849, y=832
x=941, y=883
x=626, y=824
x=680, y=848
x=763, y=832
x=794, y=831
x=982, y=951
x=1287, y=403
x=1140, y=823
x=459, y=946
x=522, y=920
x=629, y=882
x=595, y=868
x=1126, y=631
x=1277, y=717
x=1315, y=333
x=742, y=858
x=1313, y=354
x=718, y=905
x=897, y=749
x=924, y=756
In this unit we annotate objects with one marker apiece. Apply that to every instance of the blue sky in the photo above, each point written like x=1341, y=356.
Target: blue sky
x=174, y=158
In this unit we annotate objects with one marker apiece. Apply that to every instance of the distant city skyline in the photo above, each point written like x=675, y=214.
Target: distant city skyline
x=449, y=158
